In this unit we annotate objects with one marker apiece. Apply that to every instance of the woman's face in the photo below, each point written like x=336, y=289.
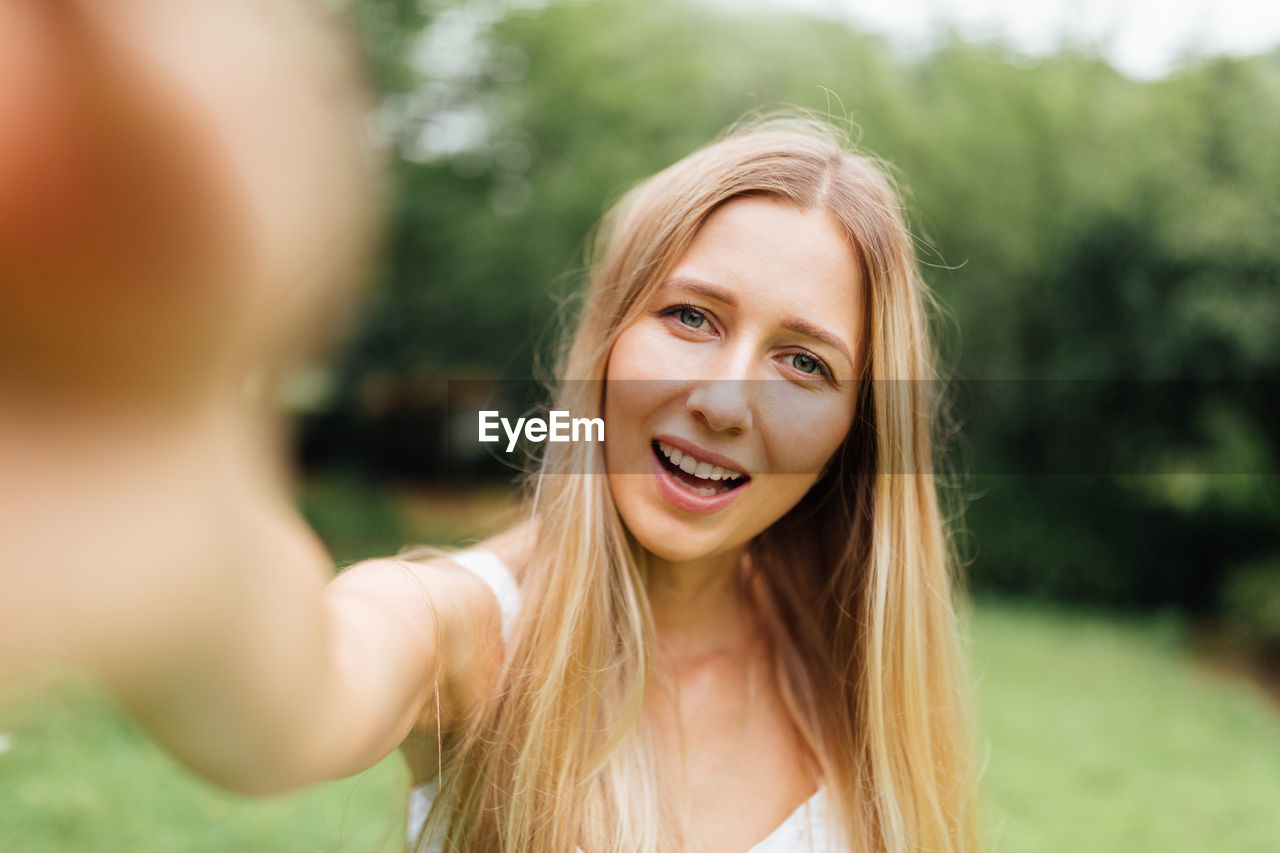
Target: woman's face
x=742, y=364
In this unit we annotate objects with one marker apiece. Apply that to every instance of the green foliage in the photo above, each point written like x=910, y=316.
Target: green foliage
x=354, y=519
x=1251, y=603
x=358, y=518
x=1078, y=225
x=386, y=29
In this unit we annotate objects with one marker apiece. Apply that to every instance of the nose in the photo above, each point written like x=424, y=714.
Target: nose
x=722, y=404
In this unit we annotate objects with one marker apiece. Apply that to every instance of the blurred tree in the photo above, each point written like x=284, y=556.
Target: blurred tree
x=387, y=29
x=1113, y=236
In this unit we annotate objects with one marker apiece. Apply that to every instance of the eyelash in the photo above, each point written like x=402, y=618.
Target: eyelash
x=677, y=309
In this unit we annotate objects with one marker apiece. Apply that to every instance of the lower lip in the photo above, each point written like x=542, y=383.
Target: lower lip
x=686, y=500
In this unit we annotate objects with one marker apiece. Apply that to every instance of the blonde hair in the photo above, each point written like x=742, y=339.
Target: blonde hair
x=860, y=570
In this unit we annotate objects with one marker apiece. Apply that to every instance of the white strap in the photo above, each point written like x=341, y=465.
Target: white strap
x=485, y=565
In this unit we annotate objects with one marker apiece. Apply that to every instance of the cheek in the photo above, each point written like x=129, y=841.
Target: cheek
x=634, y=396
x=624, y=410
x=800, y=447
x=625, y=452
x=642, y=351
x=804, y=433
x=632, y=408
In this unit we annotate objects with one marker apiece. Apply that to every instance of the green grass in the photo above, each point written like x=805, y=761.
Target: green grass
x=1097, y=734
x=1106, y=736
x=78, y=775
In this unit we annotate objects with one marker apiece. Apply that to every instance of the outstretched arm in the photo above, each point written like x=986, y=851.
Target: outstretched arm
x=186, y=198
x=175, y=568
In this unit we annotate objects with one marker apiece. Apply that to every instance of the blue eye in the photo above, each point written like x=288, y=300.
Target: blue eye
x=691, y=317
x=687, y=316
x=806, y=363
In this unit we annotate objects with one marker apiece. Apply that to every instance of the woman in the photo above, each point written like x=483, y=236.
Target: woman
x=741, y=632
x=730, y=628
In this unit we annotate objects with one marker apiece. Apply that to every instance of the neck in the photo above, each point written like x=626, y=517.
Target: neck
x=700, y=607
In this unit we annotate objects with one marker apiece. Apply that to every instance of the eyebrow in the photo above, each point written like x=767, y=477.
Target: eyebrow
x=795, y=324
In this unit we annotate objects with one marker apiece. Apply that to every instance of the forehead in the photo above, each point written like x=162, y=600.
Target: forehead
x=774, y=256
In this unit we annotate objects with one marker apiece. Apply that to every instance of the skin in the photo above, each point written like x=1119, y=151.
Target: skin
x=161, y=239
x=736, y=381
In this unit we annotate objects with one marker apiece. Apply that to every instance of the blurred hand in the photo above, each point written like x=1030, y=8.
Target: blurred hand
x=186, y=198
x=185, y=188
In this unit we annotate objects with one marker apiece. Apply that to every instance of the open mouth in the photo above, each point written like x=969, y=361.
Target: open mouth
x=700, y=478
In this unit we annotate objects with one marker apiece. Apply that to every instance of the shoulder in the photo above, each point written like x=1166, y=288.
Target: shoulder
x=470, y=610
x=434, y=588
x=424, y=571
x=513, y=546
x=433, y=605
x=479, y=575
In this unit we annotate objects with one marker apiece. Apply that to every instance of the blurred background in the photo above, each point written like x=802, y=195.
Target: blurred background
x=1097, y=196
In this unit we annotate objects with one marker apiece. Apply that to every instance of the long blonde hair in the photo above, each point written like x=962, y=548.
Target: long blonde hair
x=860, y=571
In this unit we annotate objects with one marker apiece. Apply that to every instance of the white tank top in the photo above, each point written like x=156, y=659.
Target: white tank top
x=806, y=830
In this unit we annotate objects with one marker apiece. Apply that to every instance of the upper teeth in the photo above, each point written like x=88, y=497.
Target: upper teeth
x=696, y=467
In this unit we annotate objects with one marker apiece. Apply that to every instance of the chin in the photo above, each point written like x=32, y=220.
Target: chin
x=672, y=542
x=674, y=551
x=664, y=531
